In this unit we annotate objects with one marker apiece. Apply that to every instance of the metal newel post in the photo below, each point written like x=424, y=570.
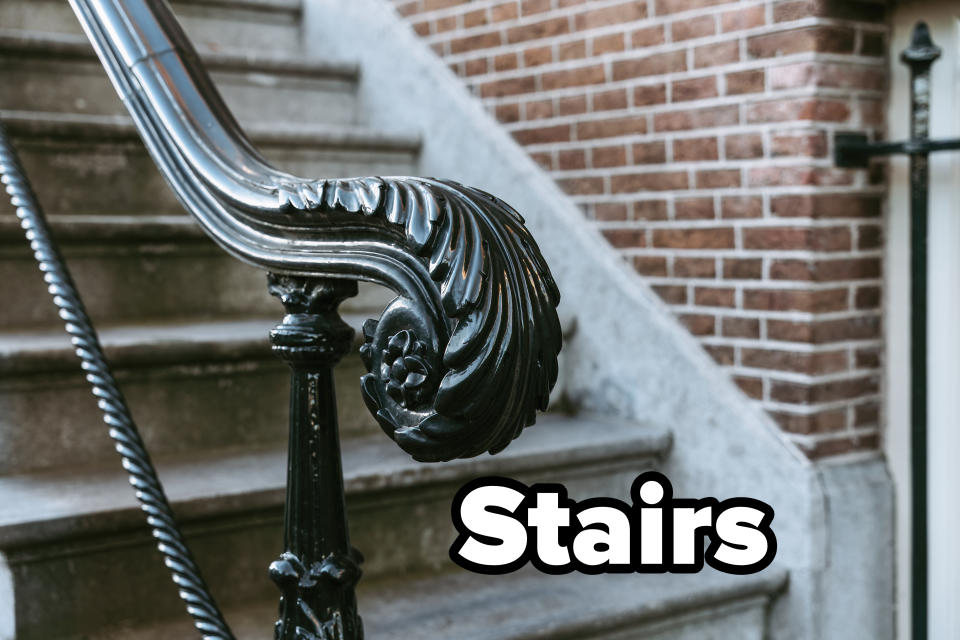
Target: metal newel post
x=319, y=569
x=919, y=56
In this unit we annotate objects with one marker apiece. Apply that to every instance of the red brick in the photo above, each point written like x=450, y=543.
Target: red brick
x=433, y=5
x=712, y=55
x=572, y=105
x=508, y=87
x=650, y=210
x=537, y=56
x=422, y=28
x=718, y=178
x=610, y=211
x=476, y=66
x=650, y=65
x=543, y=159
x=798, y=238
x=742, y=19
x=741, y=207
x=699, y=324
x=694, y=267
x=798, y=175
x=508, y=112
x=695, y=149
x=537, y=30
x=625, y=238
x=693, y=209
x=821, y=39
x=742, y=268
x=505, y=11
x=693, y=27
x=740, y=327
x=695, y=238
x=572, y=50
x=655, y=181
x=841, y=445
x=867, y=298
x=798, y=393
x=568, y=159
x=753, y=387
x=799, y=109
x=722, y=355
x=827, y=205
x=475, y=18
x=742, y=82
x=647, y=37
x=873, y=44
x=861, y=327
x=693, y=89
x=529, y=7
x=831, y=75
x=611, y=127
x=650, y=265
x=867, y=413
x=714, y=297
x=744, y=146
x=442, y=25
x=506, y=62
x=867, y=358
x=610, y=100
x=809, y=145
x=615, y=156
x=585, y=185
x=650, y=94
x=538, y=109
x=478, y=41
x=573, y=77
x=617, y=14
x=795, y=300
x=649, y=153
x=664, y=7
x=672, y=294
x=608, y=44
x=697, y=118
x=540, y=135
x=813, y=423
x=816, y=363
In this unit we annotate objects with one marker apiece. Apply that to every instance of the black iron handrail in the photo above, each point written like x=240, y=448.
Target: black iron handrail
x=459, y=362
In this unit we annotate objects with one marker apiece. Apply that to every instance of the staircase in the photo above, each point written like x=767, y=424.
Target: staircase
x=186, y=328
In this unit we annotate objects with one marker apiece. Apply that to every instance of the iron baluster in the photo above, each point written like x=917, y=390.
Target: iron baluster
x=853, y=150
x=318, y=569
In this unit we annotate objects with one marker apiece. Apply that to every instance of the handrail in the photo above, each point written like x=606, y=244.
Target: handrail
x=475, y=314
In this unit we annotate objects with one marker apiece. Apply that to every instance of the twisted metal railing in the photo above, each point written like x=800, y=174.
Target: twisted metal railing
x=458, y=363
x=116, y=414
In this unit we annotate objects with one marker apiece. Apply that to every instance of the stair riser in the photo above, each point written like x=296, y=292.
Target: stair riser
x=50, y=421
x=209, y=26
x=743, y=620
x=81, y=587
x=117, y=177
x=81, y=86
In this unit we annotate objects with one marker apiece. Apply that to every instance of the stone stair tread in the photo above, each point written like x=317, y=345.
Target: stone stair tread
x=145, y=344
x=100, y=128
x=525, y=605
x=75, y=46
x=69, y=503
x=112, y=229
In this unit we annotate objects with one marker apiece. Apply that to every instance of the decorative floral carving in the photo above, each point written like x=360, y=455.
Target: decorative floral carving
x=404, y=367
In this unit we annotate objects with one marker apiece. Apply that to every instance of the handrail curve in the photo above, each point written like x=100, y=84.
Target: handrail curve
x=466, y=354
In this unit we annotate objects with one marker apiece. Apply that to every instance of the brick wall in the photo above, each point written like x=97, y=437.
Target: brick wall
x=697, y=135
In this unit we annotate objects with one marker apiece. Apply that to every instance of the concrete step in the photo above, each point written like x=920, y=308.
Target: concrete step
x=128, y=269
x=528, y=605
x=80, y=560
x=191, y=387
x=264, y=25
x=97, y=164
x=60, y=73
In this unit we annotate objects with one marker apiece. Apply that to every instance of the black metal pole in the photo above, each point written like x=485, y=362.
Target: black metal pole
x=919, y=56
x=319, y=569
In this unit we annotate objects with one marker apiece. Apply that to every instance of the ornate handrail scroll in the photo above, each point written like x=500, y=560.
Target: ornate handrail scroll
x=475, y=316
x=459, y=362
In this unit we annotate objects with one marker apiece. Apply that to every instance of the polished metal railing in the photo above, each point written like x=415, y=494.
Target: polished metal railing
x=458, y=363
